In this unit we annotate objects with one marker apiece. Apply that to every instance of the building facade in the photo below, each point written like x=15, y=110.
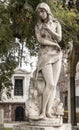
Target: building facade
x=14, y=107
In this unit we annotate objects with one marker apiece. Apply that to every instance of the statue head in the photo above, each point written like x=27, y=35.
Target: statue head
x=45, y=7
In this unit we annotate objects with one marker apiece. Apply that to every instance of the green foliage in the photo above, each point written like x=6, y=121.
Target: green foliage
x=5, y=31
x=21, y=17
x=7, y=60
x=77, y=5
x=5, y=128
x=34, y=3
x=69, y=20
x=7, y=66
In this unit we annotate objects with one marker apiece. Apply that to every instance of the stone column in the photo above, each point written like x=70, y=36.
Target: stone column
x=69, y=103
x=73, y=103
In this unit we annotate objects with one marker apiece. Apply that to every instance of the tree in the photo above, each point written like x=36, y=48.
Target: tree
x=17, y=20
x=7, y=64
x=77, y=5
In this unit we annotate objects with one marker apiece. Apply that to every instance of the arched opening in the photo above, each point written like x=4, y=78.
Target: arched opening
x=19, y=114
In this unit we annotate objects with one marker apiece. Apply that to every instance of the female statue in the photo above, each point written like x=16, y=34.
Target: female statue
x=48, y=34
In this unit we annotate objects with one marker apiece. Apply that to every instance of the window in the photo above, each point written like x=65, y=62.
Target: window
x=66, y=102
x=18, y=87
x=77, y=101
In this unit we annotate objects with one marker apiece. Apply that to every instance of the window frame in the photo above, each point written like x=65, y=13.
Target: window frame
x=18, y=92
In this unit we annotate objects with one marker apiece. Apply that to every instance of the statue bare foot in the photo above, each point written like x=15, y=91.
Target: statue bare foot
x=42, y=116
x=49, y=115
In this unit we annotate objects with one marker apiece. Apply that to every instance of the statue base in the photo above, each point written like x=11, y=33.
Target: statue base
x=55, y=121
x=27, y=126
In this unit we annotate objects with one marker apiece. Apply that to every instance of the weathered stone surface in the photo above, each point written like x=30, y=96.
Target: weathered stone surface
x=42, y=101
x=55, y=121
x=27, y=127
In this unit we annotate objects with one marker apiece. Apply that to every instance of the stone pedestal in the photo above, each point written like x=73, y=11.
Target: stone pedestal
x=29, y=127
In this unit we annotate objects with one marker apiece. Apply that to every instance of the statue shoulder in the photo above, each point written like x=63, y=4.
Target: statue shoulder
x=55, y=20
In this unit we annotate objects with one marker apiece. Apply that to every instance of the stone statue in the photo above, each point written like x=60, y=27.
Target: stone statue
x=48, y=34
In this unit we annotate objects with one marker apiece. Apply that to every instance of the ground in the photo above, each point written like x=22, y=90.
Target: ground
x=5, y=128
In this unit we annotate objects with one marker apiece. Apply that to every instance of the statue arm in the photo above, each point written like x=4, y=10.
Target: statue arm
x=56, y=35
x=44, y=41
x=59, y=32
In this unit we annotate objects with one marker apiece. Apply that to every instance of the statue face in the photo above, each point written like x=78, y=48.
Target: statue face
x=42, y=14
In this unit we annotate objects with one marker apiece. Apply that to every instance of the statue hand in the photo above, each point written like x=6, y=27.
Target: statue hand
x=49, y=29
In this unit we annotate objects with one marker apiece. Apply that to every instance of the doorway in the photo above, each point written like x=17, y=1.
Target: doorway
x=19, y=114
